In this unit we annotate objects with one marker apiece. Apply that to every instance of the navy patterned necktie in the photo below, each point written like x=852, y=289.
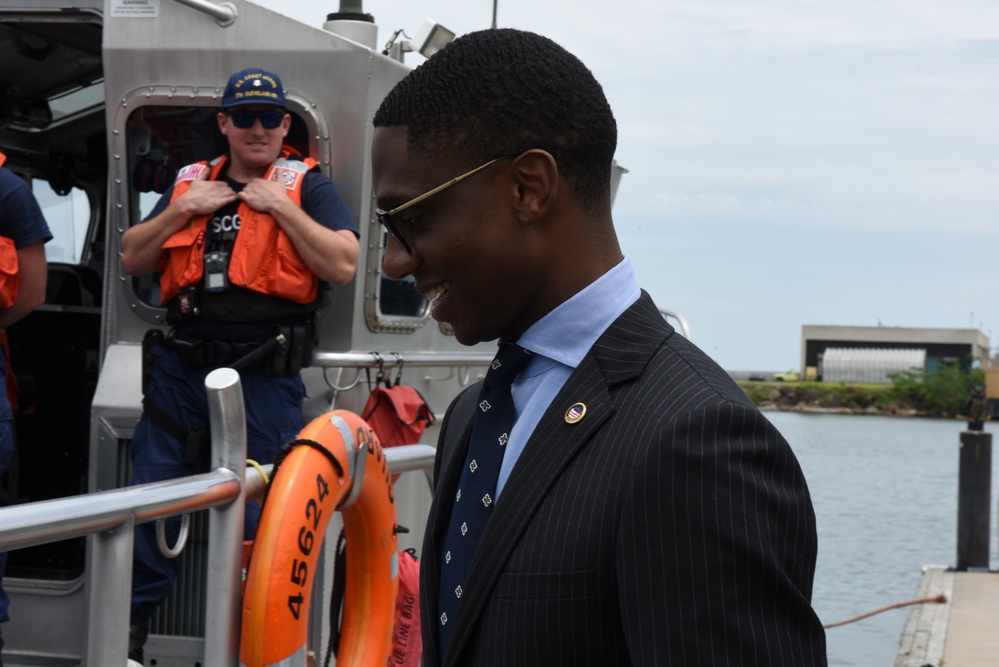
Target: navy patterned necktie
x=473, y=501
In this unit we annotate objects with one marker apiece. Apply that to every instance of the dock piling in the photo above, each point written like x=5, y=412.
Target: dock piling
x=973, y=500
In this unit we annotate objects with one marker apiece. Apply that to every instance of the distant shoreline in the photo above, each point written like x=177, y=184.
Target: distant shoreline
x=869, y=410
x=828, y=398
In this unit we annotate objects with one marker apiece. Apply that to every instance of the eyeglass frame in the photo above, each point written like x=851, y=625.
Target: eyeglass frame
x=257, y=114
x=385, y=217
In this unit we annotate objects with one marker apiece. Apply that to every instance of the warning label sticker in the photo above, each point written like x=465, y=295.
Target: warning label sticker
x=134, y=9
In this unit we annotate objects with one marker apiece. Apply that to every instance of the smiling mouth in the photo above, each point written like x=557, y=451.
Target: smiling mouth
x=434, y=294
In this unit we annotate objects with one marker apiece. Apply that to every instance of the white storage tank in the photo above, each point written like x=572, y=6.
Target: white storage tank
x=869, y=365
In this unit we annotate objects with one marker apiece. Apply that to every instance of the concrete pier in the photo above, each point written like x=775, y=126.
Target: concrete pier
x=958, y=633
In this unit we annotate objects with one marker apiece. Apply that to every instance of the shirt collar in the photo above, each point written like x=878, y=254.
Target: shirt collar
x=568, y=332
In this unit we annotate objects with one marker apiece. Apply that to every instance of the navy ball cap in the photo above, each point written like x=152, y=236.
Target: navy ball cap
x=253, y=86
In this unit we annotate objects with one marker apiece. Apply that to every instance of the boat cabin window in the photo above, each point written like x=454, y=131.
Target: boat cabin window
x=400, y=298
x=68, y=215
x=89, y=95
x=391, y=306
x=163, y=139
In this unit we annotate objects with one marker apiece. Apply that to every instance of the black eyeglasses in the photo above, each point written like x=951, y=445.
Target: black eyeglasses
x=244, y=119
x=385, y=217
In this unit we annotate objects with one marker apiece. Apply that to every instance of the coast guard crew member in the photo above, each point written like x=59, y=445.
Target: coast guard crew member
x=23, y=275
x=243, y=246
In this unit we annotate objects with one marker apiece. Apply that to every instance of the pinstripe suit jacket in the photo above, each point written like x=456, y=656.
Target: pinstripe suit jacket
x=670, y=526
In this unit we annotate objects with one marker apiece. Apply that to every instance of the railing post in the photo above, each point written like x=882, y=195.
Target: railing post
x=225, y=523
x=110, y=599
x=974, y=490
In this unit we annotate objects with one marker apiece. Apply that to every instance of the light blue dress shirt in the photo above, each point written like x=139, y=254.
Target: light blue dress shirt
x=560, y=340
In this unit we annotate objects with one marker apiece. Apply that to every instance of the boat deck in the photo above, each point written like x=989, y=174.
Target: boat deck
x=958, y=633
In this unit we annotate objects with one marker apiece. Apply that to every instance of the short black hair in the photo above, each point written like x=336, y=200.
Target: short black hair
x=501, y=92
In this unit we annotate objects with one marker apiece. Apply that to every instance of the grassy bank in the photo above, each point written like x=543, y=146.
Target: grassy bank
x=944, y=392
x=829, y=397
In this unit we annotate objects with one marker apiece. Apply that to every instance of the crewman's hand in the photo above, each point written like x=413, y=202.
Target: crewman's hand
x=204, y=196
x=264, y=196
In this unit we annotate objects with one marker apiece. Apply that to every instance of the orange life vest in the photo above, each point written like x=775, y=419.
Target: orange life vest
x=263, y=257
x=9, y=267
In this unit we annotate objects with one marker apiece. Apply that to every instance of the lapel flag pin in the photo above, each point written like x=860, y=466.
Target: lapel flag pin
x=575, y=413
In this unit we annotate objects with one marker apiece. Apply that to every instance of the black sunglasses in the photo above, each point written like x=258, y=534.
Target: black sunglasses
x=385, y=217
x=244, y=119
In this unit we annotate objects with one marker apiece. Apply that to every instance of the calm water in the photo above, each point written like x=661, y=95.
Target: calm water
x=885, y=496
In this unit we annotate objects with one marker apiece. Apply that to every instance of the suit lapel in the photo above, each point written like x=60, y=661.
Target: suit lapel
x=619, y=355
x=547, y=453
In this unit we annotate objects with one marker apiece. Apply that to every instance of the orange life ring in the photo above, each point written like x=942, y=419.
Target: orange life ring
x=304, y=493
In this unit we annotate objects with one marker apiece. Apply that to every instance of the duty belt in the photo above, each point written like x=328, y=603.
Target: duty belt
x=203, y=353
x=285, y=351
x=195, y=438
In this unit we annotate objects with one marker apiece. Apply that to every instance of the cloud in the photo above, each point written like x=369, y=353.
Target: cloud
x=791, y=24
x=789, y=161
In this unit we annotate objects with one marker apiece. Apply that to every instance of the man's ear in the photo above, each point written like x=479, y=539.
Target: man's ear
x=536, y=178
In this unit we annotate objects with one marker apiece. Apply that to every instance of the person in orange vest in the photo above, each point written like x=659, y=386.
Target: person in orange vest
x=23, y=274
x=245, y=246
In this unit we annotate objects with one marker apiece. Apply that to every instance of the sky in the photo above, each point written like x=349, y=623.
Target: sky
x=789, y=162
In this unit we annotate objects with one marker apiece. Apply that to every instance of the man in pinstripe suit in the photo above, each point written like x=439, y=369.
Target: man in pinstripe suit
x=645, y=512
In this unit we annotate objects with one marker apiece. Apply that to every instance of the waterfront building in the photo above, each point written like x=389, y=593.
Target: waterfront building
x=869, y=354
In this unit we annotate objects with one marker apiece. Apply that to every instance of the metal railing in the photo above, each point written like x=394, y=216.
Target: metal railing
x=680, y=319
x=112, y=515
x=224, y=13
x=391, y=359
